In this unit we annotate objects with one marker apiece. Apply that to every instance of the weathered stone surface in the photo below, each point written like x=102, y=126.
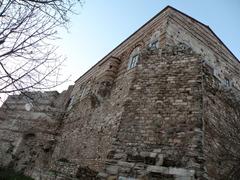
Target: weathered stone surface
x=124, y=119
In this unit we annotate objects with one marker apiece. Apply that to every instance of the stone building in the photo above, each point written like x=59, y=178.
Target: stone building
x=142, y=112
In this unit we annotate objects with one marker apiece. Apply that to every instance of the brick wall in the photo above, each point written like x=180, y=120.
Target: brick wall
x=221, y=121
x=162, y=114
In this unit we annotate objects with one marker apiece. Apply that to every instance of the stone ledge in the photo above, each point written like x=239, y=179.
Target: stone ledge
x=171, y=171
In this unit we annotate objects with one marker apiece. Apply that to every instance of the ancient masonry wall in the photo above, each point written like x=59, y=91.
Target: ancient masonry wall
x=160, y=133
x=221, y=121
x=97, y=103
x=27, y=133
x=221, y=91
x=91, y=119
x=152, y=121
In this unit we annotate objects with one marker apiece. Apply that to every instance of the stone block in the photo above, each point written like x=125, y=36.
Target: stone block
x=126, y=178
x=158, y=169
x=181, y=172
x=112, y=169
x=157, y=150
x=144, y=154
x=119, y=156
x=125, y=164
x=153, y=155
x=160, y=159
x=102, y=175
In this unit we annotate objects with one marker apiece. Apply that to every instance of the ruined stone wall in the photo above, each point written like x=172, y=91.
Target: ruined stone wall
x=95, y=108
x=221, y=91
x=161, y=126
x=29, y=123
x=90, y=125
x=221, y=121
x=150, y=121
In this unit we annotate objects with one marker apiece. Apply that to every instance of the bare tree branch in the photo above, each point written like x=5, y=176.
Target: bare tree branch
x=28, y=60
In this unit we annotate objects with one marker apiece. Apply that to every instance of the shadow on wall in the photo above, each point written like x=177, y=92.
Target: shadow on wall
x=9, y=174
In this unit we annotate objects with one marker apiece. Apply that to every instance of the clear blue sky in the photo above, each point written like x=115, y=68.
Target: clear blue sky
x=102, y=25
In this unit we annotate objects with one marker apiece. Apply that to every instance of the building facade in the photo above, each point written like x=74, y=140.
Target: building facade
x=145, y=111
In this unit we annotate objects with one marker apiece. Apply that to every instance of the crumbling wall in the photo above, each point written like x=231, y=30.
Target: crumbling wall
x=160, y=132
x=96, y=105
x=90, y=124
x=221, y=118
x=221, y=93
x=127, y=123
x=27, y=131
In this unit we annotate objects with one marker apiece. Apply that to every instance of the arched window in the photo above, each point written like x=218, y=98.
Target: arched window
x=134, y=57
x=154, y=41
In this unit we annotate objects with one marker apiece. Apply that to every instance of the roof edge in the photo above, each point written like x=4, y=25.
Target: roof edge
x=100, y=61
x=214, y=34
x=164, y=9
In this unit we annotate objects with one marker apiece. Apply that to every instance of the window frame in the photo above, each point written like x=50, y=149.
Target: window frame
x=133, y=61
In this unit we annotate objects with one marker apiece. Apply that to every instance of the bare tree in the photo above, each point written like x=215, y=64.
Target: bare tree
x=28, y=60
